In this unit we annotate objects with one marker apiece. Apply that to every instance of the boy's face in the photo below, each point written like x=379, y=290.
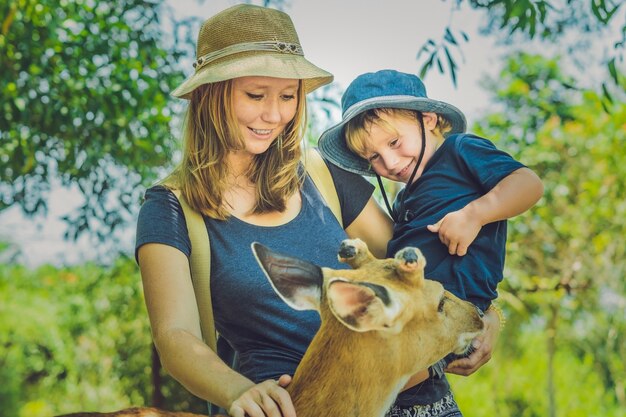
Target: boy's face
x=393, y=154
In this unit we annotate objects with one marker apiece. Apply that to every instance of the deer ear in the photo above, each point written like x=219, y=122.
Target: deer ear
x=297, y=282
x=361, y=306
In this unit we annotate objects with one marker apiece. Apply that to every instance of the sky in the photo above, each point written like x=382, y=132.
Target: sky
x=346, y=38
x=350, y=37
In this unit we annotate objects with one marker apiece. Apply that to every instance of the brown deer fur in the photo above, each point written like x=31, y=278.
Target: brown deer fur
x=381, y=323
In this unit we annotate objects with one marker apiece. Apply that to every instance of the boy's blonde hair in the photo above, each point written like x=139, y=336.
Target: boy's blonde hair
x=210, y=133
x=357, y=130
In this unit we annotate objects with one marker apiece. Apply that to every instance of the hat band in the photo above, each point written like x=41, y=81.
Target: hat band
x=276, y=46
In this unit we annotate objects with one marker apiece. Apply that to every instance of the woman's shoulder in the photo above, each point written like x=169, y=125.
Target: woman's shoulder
x=353, y=192
x=160, y=197
x=161, y=220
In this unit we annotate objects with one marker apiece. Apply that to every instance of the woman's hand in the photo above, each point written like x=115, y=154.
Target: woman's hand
x=483, y=344
x=267, y=399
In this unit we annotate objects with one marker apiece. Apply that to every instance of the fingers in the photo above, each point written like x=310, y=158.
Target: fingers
x=434, y=227
x=284, y=380
x=452, y=248
x=469, y=365
x=267, y=399
x=245, y=409
x=445, y=236
x=282, y=398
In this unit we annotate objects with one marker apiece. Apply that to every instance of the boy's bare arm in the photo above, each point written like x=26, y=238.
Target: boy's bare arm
x=513, y=195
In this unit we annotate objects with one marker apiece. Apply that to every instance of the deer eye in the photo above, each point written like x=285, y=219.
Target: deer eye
x=441, y=303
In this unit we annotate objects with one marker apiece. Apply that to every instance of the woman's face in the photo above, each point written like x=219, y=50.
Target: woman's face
x=263, y=107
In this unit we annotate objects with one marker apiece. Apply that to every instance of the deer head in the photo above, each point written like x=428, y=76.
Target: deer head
x=376, y=295
x=381, y=323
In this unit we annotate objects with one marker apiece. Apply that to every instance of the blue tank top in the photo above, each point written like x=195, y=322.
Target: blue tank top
x=269, y=336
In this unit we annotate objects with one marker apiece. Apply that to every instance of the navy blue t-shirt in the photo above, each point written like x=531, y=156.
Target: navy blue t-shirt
x=269, y=336
x=464, y=168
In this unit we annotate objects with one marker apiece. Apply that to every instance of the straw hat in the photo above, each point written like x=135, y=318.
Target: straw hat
x=248, y=40
x=382, y=89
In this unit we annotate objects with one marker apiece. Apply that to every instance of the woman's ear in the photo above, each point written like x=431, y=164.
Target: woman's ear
x=430, y=120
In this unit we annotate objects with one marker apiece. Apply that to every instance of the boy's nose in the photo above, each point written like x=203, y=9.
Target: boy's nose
x=390, y=162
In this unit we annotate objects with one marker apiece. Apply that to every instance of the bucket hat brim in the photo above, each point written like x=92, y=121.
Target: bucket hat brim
x=268, y=65
x=332, y=143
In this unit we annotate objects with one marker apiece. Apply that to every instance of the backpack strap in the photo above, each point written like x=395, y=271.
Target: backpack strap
x=200, y=258
x=200, y=266
x=320, y=174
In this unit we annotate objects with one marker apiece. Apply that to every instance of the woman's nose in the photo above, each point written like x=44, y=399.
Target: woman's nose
x=271, y=111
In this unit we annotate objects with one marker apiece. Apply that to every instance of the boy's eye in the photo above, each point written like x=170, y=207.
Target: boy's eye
x=255, y=96
x=288, y=97
x=373, y=157
x=394, y=143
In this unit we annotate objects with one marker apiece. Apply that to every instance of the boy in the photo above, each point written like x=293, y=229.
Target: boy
x=459, y=192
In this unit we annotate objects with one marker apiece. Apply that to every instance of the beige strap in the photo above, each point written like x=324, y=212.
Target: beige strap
x=320, y=174
x=200, y=264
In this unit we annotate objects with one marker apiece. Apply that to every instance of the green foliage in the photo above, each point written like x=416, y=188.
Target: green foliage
x=76, y=339
x=565, y=257
x=518, y=21
x=84, y=87
x=513, y=383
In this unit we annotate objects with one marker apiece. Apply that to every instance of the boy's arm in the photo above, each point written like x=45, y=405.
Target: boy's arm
x=513, y=195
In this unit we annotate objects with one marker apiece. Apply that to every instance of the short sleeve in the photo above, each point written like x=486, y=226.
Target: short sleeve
x=488, y=164
x=353, y=191
x=161, y=220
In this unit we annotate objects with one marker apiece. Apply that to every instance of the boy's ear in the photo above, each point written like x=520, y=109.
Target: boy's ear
x=430, y=120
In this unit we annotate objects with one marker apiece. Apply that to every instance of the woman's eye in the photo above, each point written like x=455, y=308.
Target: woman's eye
x=255, y=96
x=394, y=143
x=373, y=157
x=288, y=97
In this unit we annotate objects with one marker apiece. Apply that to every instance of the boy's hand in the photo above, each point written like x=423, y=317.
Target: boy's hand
x=457, y=230
x=484, y=345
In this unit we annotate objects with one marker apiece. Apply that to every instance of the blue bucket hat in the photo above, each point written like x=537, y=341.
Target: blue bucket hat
x=382, y=89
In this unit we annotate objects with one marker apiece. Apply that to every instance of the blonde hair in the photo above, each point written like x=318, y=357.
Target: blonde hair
x=357, y=130
x=210, y=133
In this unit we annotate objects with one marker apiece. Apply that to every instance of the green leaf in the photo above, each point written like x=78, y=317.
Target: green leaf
x=613, y=70
x=451, y=65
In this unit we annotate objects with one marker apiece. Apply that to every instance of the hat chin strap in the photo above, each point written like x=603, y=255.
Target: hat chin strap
x=404, y=215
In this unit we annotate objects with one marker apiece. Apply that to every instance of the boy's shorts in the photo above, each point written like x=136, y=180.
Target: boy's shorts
x=445, y=407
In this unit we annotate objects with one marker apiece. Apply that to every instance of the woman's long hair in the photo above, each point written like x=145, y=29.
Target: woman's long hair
x=210, y=132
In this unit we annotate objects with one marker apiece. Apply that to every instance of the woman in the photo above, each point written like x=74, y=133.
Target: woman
x=241, y=169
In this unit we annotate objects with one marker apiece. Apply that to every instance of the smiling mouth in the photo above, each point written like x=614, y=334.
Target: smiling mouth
x=404, y=171
x=262, y=132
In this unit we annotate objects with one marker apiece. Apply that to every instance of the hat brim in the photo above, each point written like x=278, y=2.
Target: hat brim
x=332, y=143
x=278, y=65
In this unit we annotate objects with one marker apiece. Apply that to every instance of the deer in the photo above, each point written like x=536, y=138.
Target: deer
x=381, y=322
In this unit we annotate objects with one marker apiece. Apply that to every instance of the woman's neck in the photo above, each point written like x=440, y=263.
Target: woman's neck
x=239, y=163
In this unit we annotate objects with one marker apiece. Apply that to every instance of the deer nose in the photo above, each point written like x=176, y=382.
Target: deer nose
x=409, y=256
x=347, y=250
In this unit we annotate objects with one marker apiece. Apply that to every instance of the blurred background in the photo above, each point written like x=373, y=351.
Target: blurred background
x=87, y=123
